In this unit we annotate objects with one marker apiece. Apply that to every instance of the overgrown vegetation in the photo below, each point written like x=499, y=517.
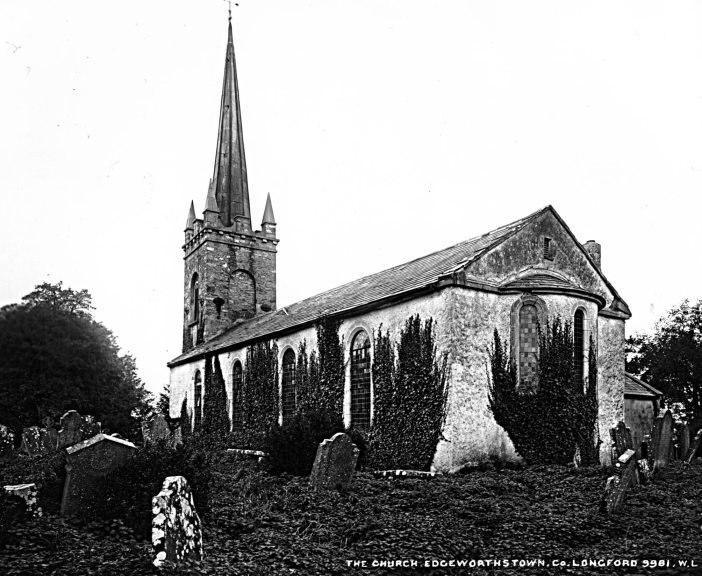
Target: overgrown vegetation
x=549, y=424
x=259, y=395
x=319, y=379
x=410, y=397
x=292, y=447
x=215, y=417
x=260, y=524
x=129, y=489
x=55, y=357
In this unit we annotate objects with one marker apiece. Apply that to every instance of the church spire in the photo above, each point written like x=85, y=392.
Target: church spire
x=231, y=186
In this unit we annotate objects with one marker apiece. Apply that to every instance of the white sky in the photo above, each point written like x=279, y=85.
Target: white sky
x=383, y=130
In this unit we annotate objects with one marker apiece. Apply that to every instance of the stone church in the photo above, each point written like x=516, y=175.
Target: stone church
x=512, y=278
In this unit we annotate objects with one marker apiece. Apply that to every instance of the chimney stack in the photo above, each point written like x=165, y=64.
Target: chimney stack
x=595, y=252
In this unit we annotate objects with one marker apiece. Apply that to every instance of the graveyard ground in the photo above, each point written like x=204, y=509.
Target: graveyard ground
x=261, y=524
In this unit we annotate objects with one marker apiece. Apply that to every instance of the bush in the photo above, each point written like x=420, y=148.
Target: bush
x=293, y=446
x=129, y=489
x=48, y=472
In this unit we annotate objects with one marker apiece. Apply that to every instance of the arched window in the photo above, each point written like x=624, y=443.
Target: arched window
x=195, y=298
x=360, y=381
x=288, y=384
x=528, y=345
x=579, y=346
x=237, y=400
x=198, y=401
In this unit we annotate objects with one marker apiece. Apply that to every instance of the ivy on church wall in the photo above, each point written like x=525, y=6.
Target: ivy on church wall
x=411, y=389
x=556, y=419
x=259, y=395
x=319, y=377
x=215, y=417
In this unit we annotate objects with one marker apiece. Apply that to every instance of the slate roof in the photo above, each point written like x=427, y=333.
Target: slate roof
x=422, y=273
x=634, y=386
x=395, y=281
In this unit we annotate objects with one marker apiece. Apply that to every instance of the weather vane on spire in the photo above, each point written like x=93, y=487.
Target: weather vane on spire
x=230, y=8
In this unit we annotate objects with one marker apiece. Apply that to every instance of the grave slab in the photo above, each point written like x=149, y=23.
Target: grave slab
x=87, y=464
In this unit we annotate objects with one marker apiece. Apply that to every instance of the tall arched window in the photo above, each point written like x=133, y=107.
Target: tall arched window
x=198, y=401
x=360, y=381
x=579, y=346
x=195, y=298
x=237, y=400
x=288, y=384
x=528, y=345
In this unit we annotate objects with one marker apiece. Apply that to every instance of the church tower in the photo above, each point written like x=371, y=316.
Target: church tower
x=229, y=267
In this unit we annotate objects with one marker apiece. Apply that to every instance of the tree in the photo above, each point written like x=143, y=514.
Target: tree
x=55, y=357
x=670, y=359
x=163, y=404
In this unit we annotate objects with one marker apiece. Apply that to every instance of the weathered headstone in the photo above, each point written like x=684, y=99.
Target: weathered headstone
x=661, y=450
x=694, y=447
x=156, y=430
x=89, y=427
x=334, y=463
x=176, y=534
x=621, y=439
x=35, y=441
x=617, y=485
x=28, y=493
x=70, y=432
x=87, y=463
x=683, y=440
x=7, y=443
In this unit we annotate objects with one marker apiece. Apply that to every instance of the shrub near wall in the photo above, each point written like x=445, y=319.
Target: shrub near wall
x=549, y=424
x=259, y=395
x=410, y=397
x=215, y=418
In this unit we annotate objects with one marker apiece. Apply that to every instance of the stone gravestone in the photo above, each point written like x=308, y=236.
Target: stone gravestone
x=88, y=427
x=28, y=493
x=70, y=433
x=617, y=485
x=334, y=463
x=661, y=449
x=7, y=443
x=621, y=442
x=157, y=429
x=683, y=440
x=51, y=433
x=35, y=441
x=87, y=464
x=694, y=447
x=176, y=534
x=621, y=439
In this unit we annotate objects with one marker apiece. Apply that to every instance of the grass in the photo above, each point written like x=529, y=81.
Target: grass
x=261, y=524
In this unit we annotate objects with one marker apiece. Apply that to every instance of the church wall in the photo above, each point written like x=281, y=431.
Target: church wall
x=610, y=379
x=465, y=320
x=182, y=385
x=472, y=435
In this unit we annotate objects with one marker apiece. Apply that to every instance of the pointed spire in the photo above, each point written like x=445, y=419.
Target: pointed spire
x=190, y=223
x=268, y=217
x=230, y=181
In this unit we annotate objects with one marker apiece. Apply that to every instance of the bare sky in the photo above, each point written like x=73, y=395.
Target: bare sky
x=383, y=130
